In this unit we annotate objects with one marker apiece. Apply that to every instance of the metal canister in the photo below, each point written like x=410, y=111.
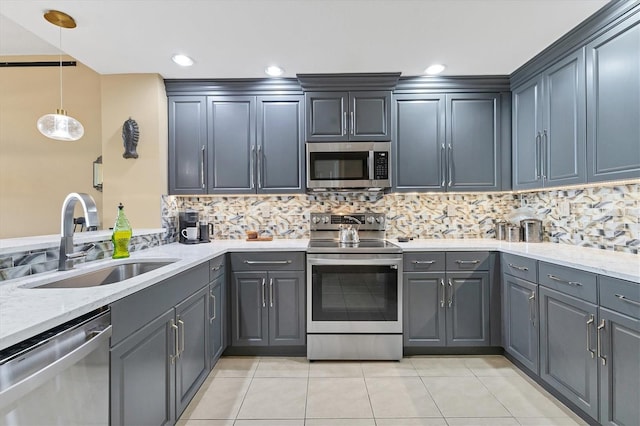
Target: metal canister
x=531, y=230
x=513, y=233
x=501, y=230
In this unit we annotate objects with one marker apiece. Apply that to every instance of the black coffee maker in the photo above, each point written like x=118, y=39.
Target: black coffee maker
x=188, y=227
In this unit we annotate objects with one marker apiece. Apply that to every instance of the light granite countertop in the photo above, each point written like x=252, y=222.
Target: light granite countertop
x=26, y=311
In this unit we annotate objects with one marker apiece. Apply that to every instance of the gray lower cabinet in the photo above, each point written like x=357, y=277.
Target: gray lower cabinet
x=268, y=306
x=619, y=364
x=447, y=142
x=520, y=319
x=445, y=308
x=159, y=353
x=568, y=348
x=549, y=119
x=143, y=378
x=613, y=103
x=348, y=116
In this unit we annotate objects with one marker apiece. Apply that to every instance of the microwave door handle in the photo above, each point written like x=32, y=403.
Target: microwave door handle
x=370, y=165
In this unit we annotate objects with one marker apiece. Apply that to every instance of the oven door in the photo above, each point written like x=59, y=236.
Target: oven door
x=354, y=293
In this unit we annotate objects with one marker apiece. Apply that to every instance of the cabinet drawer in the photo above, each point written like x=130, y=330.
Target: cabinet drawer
x=424, y=261
x=468, y=261
x=521, y=267
x=569, y=281
x=216, y=267
x=621, y=296
x=268, y=261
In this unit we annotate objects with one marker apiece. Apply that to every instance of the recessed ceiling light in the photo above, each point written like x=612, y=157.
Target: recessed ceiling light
x=274, y=71
x=434, y=69
x=182, y=60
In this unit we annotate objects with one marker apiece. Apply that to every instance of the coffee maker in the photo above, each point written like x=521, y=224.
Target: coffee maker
x=188, y=227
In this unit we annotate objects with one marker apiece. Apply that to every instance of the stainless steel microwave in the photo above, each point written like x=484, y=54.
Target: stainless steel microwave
x=348, y=165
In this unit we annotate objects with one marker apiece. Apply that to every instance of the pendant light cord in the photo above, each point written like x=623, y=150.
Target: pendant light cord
x=60, y=58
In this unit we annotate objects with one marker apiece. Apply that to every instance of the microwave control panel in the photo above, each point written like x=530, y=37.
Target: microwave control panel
x=381, y=165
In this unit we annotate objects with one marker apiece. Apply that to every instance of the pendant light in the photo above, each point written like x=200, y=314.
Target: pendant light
x=60, y=126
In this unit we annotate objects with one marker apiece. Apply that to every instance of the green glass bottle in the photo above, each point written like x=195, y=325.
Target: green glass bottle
x=121, y=235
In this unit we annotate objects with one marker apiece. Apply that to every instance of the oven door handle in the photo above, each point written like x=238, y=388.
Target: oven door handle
x=392, y=263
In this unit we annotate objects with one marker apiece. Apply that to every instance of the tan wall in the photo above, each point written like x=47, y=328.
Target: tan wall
x=136, y=183
x=36, y=173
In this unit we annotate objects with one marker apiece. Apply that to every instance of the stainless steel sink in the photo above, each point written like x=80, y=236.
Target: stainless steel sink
x=108, y=275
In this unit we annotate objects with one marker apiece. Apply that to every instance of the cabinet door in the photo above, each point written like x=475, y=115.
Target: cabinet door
x=326, y=116
x=280, y=151
x=217, y=324
x=143, y=375
x=520, y=299
x=370, y=116
x=287, y=308
x=620, y=375
x=467, y=307
x=231, y=125
x=418, y=160
x=613, y=103
x=424, y=309
x=192, y=366
x=187, y=144
x=567, y=348
x=527, y=135
x=473, y=142
x=250, y=316
x=564, y=134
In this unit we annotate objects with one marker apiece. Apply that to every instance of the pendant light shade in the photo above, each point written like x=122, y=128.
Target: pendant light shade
x=60, y=126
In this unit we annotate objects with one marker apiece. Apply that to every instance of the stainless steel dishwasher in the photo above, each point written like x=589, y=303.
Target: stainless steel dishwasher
x=60, y=377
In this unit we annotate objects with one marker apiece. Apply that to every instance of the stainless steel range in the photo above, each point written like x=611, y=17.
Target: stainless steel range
x=354, y=289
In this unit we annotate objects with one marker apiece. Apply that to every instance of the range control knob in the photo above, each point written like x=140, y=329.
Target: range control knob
x=325, y=219
x=370, y=219
x=380, y=219
x=315, y=219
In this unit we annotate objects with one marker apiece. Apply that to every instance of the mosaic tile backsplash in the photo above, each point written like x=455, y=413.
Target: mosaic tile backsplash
x=606, y=217
x=23, y=263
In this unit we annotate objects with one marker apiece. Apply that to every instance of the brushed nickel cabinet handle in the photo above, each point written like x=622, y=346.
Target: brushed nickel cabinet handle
x=424, y=262
x=352, y=123
x=532, y=310
x=543, y=163
x=216, y=268
x=181, y=323
x=519, y=268
x=251, y=160
x=259, y=163
x=442, y=287
x=450, y=164
x=202, y=167
x=175, y=355
x=450, y=302
x=467, y=262
x=538, y=156
x=271, y=292
x=560, y=280
x=344, y=123
x=267, y=262
x=602, y=357
x=589, y=322
x=626, y=299
x=442, y=154
x=213, y=297
x=264, y=295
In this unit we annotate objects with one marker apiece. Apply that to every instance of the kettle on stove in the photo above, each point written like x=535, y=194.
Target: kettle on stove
x=349, y=235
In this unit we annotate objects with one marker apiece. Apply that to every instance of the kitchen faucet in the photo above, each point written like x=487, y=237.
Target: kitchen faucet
x=66, y=241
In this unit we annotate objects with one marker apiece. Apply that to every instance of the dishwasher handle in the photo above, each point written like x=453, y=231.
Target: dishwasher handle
x=28, y=384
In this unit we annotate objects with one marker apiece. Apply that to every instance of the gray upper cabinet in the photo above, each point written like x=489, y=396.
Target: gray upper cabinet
x=236, y=144
x=280, y=147
x=231, y=157
x=549, y=143
x=348, y=116
x=473, y=142
x=613, y=103
x=187, y=144
x=447, y=142
x=419, y=122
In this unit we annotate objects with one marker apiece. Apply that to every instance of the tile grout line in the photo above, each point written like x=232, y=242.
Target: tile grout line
x=246, y=392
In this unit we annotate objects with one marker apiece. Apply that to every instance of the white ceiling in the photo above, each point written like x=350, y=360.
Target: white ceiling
x=238, y=38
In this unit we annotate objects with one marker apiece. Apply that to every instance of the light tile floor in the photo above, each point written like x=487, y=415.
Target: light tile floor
x=417, y=391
